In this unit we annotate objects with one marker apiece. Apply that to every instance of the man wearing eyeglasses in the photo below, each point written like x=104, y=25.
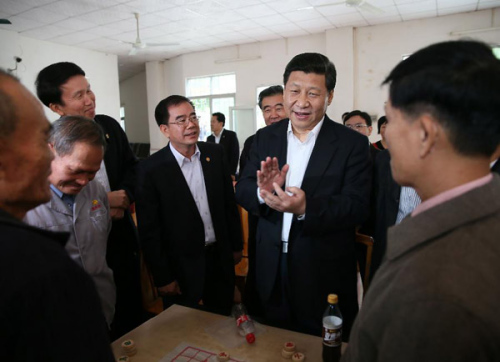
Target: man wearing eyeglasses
x=187, y=216
x=361, y=122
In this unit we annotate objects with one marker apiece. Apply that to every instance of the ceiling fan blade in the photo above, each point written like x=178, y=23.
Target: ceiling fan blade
x=328, y=4
x=5, y=21
x=365, y=6
x=133, y=51
x=161, y=44
x=126, y=42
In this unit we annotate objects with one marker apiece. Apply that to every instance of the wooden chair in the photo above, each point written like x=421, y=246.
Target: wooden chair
x=366, y=243
x=151, y=301
x=241, y=269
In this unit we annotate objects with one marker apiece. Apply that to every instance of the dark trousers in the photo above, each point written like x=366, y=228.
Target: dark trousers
x=277, y=310
x=218, y=289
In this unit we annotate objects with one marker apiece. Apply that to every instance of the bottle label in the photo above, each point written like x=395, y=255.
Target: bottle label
x=332, y=331
x=242, y=319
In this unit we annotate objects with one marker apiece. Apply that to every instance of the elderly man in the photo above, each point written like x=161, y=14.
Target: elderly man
x=64, y=89
x=273, y=110
x=188, y=221
x=435, y=297
x=49, y=308
x=308, y=179
x=79, y=205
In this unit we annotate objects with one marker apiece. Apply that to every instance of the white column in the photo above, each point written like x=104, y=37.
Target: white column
x=155, y=86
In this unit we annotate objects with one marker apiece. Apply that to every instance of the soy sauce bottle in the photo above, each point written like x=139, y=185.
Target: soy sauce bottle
x=332, y=330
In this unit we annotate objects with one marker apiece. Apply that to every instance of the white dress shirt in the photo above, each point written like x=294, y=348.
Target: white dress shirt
x=193, y=174
x=297, y=157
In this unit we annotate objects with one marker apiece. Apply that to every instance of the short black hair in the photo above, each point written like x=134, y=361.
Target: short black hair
x=50, y=79
x=8, y=121
x=312, y=63
x=69, y=130
x=269, y=92
x=381, y=121
x=344, y=114
x=161, y=110
x=362, y=114
x=458, y=84
x=220, y=118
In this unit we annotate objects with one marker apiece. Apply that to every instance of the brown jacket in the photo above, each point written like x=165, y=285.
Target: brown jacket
x=436, y=295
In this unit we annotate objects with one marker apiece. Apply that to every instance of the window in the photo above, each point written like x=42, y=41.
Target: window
x=211, y=94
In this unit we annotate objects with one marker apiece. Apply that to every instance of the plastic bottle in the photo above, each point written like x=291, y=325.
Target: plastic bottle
x=244, y=322
x=332, y=330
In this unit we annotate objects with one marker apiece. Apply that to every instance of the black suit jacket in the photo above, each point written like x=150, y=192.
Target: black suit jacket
x=122, y=252
x=385, y=206
x=119, y=158
x=170, y=226
x=245, y=153
x=120, y=164
x=321, y=257
x=229, y=140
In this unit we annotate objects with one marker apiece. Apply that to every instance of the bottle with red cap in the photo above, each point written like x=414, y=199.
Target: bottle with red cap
x=244, y=322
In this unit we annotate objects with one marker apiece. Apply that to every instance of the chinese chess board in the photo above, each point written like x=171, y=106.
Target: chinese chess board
x=185, y=353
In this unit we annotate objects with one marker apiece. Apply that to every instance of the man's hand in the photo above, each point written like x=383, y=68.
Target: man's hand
x=116, y=213
x=237, y=256
x=270, y=173
x=170, y=289
x=293, y=200
x=119, y=199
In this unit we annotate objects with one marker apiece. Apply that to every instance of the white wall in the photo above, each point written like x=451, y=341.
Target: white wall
x=379, y=48
x=133, y=97
x=101, y=69
x=362, y=56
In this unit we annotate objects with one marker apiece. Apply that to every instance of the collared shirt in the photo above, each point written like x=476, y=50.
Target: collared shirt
x=217, y=138
x=193, y=174
x=408, y=201
x=297, y=157
x=68, y=199
x=451, y=194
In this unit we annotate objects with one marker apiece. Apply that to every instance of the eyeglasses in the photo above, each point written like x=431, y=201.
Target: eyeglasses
x=185, y=121
x=356, y=126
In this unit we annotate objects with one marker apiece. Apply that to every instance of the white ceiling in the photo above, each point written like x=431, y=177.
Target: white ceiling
x=203, y=24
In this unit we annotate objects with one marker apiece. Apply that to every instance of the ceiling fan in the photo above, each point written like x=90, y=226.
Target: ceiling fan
x=362, y=5
x=139, y=44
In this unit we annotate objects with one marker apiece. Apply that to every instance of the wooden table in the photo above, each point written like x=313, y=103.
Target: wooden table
x=163, y=333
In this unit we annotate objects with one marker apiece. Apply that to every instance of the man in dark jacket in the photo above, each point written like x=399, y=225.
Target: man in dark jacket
x=226, y=138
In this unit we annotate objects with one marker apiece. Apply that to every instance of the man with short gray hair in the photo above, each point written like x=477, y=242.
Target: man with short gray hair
x=78, y=204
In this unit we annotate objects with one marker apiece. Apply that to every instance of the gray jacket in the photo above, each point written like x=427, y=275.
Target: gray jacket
x=89, y=225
